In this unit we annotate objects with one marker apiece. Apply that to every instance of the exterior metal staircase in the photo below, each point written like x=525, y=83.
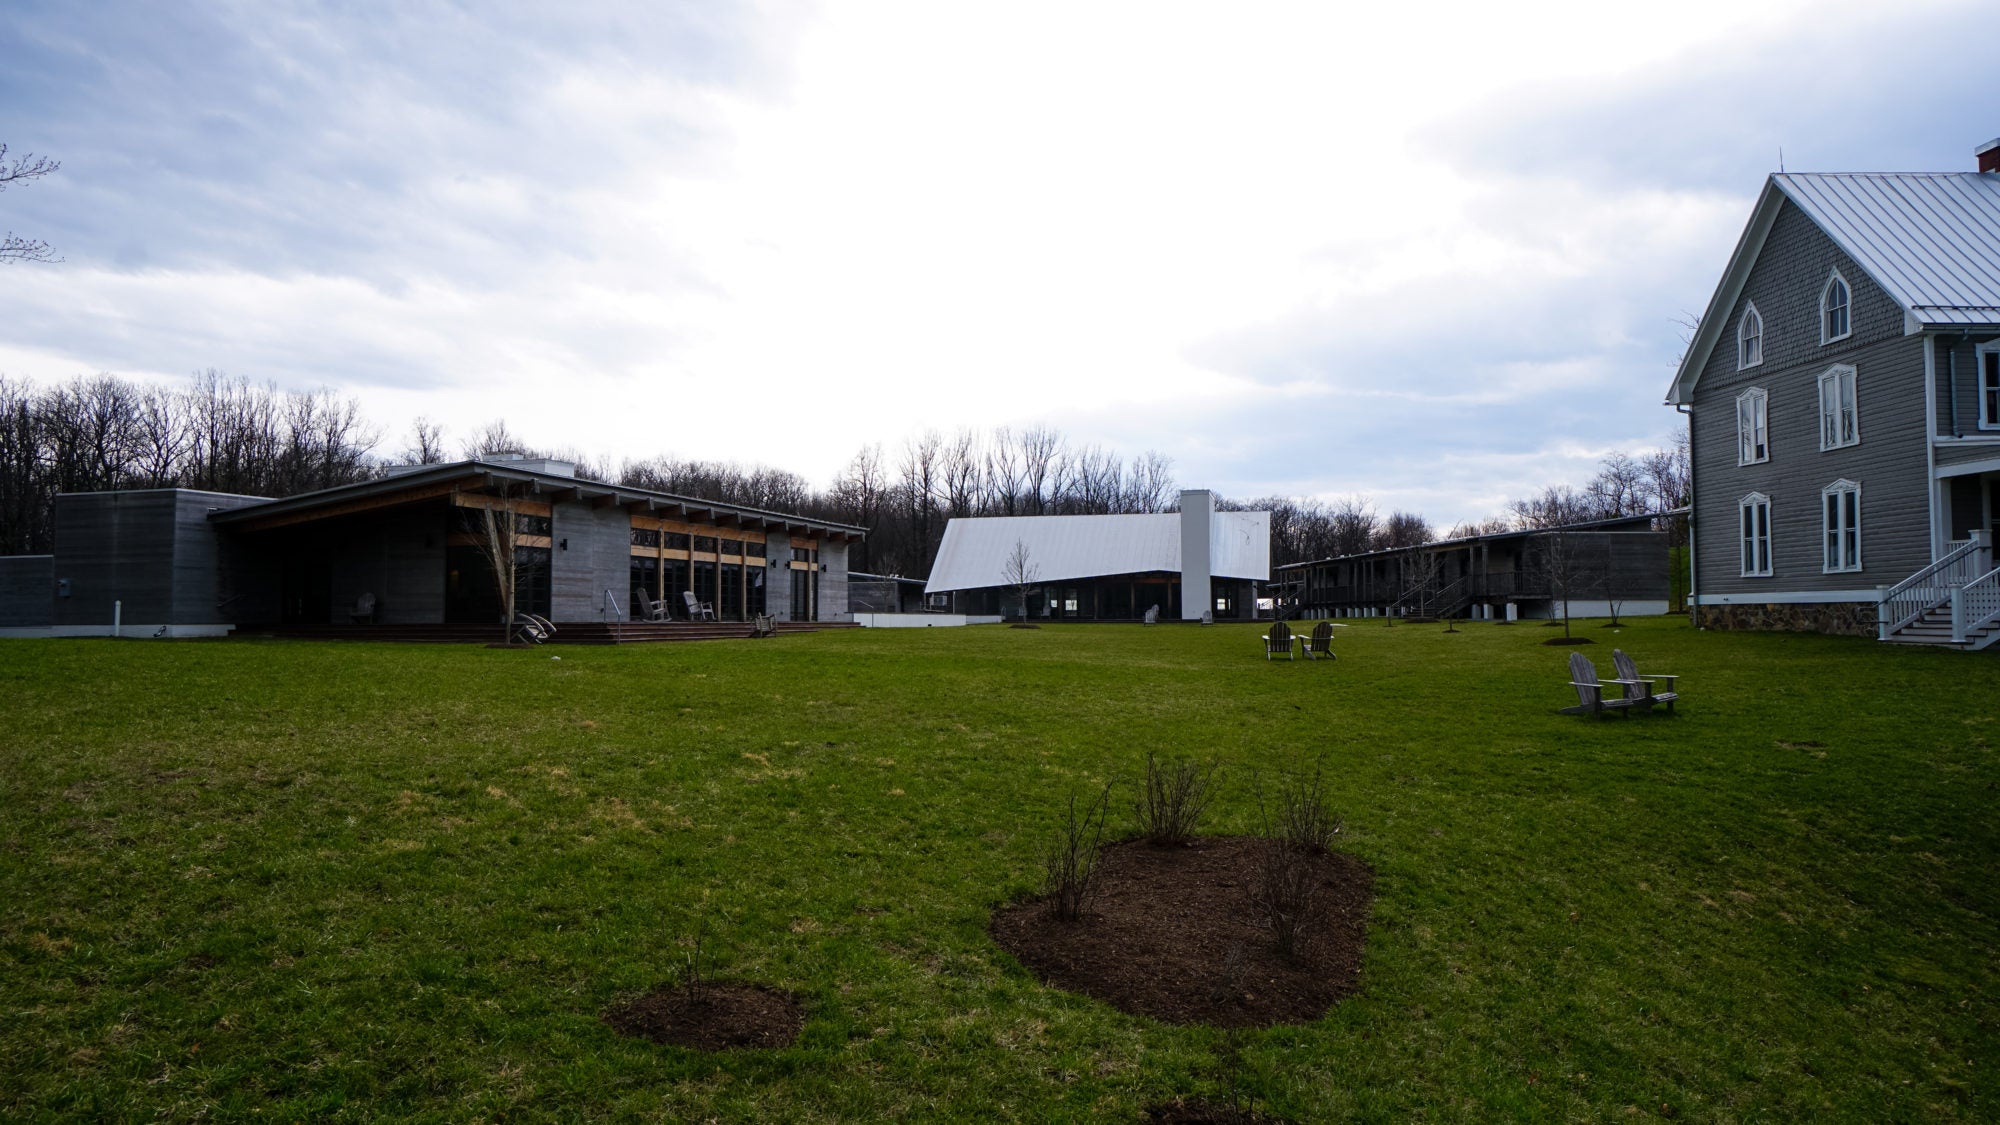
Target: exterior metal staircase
x=1954, y=602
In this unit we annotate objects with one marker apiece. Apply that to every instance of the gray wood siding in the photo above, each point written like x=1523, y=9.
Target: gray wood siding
x=154, y=550
x=599, y=557
x=1964, y=364
x=115, y=547
x=198, y=554
x=27, y=591
x=1889, y=463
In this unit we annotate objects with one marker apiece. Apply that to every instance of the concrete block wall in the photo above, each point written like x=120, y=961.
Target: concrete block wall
x=598, y=557
x=832, y=581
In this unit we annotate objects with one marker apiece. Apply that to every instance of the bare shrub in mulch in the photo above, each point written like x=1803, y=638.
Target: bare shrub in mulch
x=1172, y=799
x=711, y=1016
x=1069, y=870
x=1175, y=934
x=698, y=1011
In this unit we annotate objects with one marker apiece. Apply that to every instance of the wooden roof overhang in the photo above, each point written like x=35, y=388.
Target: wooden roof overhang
x=440, y=481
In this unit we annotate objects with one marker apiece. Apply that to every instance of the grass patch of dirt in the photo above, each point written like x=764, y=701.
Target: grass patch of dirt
x=1559, y=641
x=1173, y=934
x=718, y=1016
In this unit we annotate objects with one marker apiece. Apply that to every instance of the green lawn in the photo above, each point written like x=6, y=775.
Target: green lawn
x=347, y=881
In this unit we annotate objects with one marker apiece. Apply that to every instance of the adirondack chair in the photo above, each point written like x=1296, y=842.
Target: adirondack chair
x=698, y=610
x=1279, y=639
x=764, y=625
x=650, y=608
x=1321, y=642
x=364, y=610
x=1208, y=617
x=1152, y=615
x=1643, y=686
x=1590, y=693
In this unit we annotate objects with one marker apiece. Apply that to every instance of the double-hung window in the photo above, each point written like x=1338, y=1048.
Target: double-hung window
x=1749, y=338
x=1834, y=322
x=1753, y=427
x=1839, y=419
x=1989, y=385
x=1754, y=519
x=1840, y=507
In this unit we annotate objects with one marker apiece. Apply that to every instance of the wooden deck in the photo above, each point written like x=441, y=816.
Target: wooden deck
x=573, y=633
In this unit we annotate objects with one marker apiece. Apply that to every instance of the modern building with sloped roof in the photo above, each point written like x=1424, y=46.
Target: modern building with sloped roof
x=1108, y=567
x=1844, y=396
x=400, y=555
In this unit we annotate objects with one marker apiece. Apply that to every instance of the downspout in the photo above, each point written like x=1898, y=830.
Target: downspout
x=1951, y=380
x=1694, y=586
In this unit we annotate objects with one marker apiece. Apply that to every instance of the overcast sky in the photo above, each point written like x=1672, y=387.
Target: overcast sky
x=1435, y=256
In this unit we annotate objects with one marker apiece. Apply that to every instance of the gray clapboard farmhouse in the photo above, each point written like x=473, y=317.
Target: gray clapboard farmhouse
x=1844, y=397
x=401, y=553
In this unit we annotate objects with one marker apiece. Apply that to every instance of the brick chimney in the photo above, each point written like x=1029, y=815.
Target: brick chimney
x=1989, y=155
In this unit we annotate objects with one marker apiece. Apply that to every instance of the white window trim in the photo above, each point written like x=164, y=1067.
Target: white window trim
x=1833, y=375
x=1762, y=425
x=1826, y=529
x=1824, y=292
x=1745, y=549
x=1991, y=347
x=1750, y=313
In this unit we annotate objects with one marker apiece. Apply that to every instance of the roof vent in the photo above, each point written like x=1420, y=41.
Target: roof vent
x=1989, y=155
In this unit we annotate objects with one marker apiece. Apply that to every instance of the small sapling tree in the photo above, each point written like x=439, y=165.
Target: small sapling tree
x=1020, y=571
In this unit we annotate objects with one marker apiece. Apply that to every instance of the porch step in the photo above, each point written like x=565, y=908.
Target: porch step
x=1934, y=628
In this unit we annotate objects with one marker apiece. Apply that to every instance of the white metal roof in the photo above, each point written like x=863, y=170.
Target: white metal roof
x=1931, y=241
x=974, y=552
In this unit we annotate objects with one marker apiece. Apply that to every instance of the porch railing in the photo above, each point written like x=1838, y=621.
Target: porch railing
x=1968, y=561
x=1975, y=605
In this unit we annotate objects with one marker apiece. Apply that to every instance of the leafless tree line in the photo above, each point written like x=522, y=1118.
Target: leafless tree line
x=214, y=433
x=232, y=435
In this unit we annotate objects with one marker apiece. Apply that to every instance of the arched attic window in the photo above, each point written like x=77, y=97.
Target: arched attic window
x=1749, y=338
x=1834, y=321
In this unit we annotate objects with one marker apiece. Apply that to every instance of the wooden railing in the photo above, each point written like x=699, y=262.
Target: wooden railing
x=1932, y=586
x=1975, y=606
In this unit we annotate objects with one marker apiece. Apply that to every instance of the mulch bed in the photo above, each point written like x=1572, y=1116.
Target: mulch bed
x=1173, y=935
x=718, y=1017
x=1569, y=641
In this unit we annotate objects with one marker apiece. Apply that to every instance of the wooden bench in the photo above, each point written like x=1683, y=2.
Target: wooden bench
x=1590, y=693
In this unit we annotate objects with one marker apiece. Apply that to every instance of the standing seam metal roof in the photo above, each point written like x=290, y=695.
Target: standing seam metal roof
x=974, y=552
x=1931, y=241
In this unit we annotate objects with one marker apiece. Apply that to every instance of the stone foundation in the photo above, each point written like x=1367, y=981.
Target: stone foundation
x=1845, y=619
